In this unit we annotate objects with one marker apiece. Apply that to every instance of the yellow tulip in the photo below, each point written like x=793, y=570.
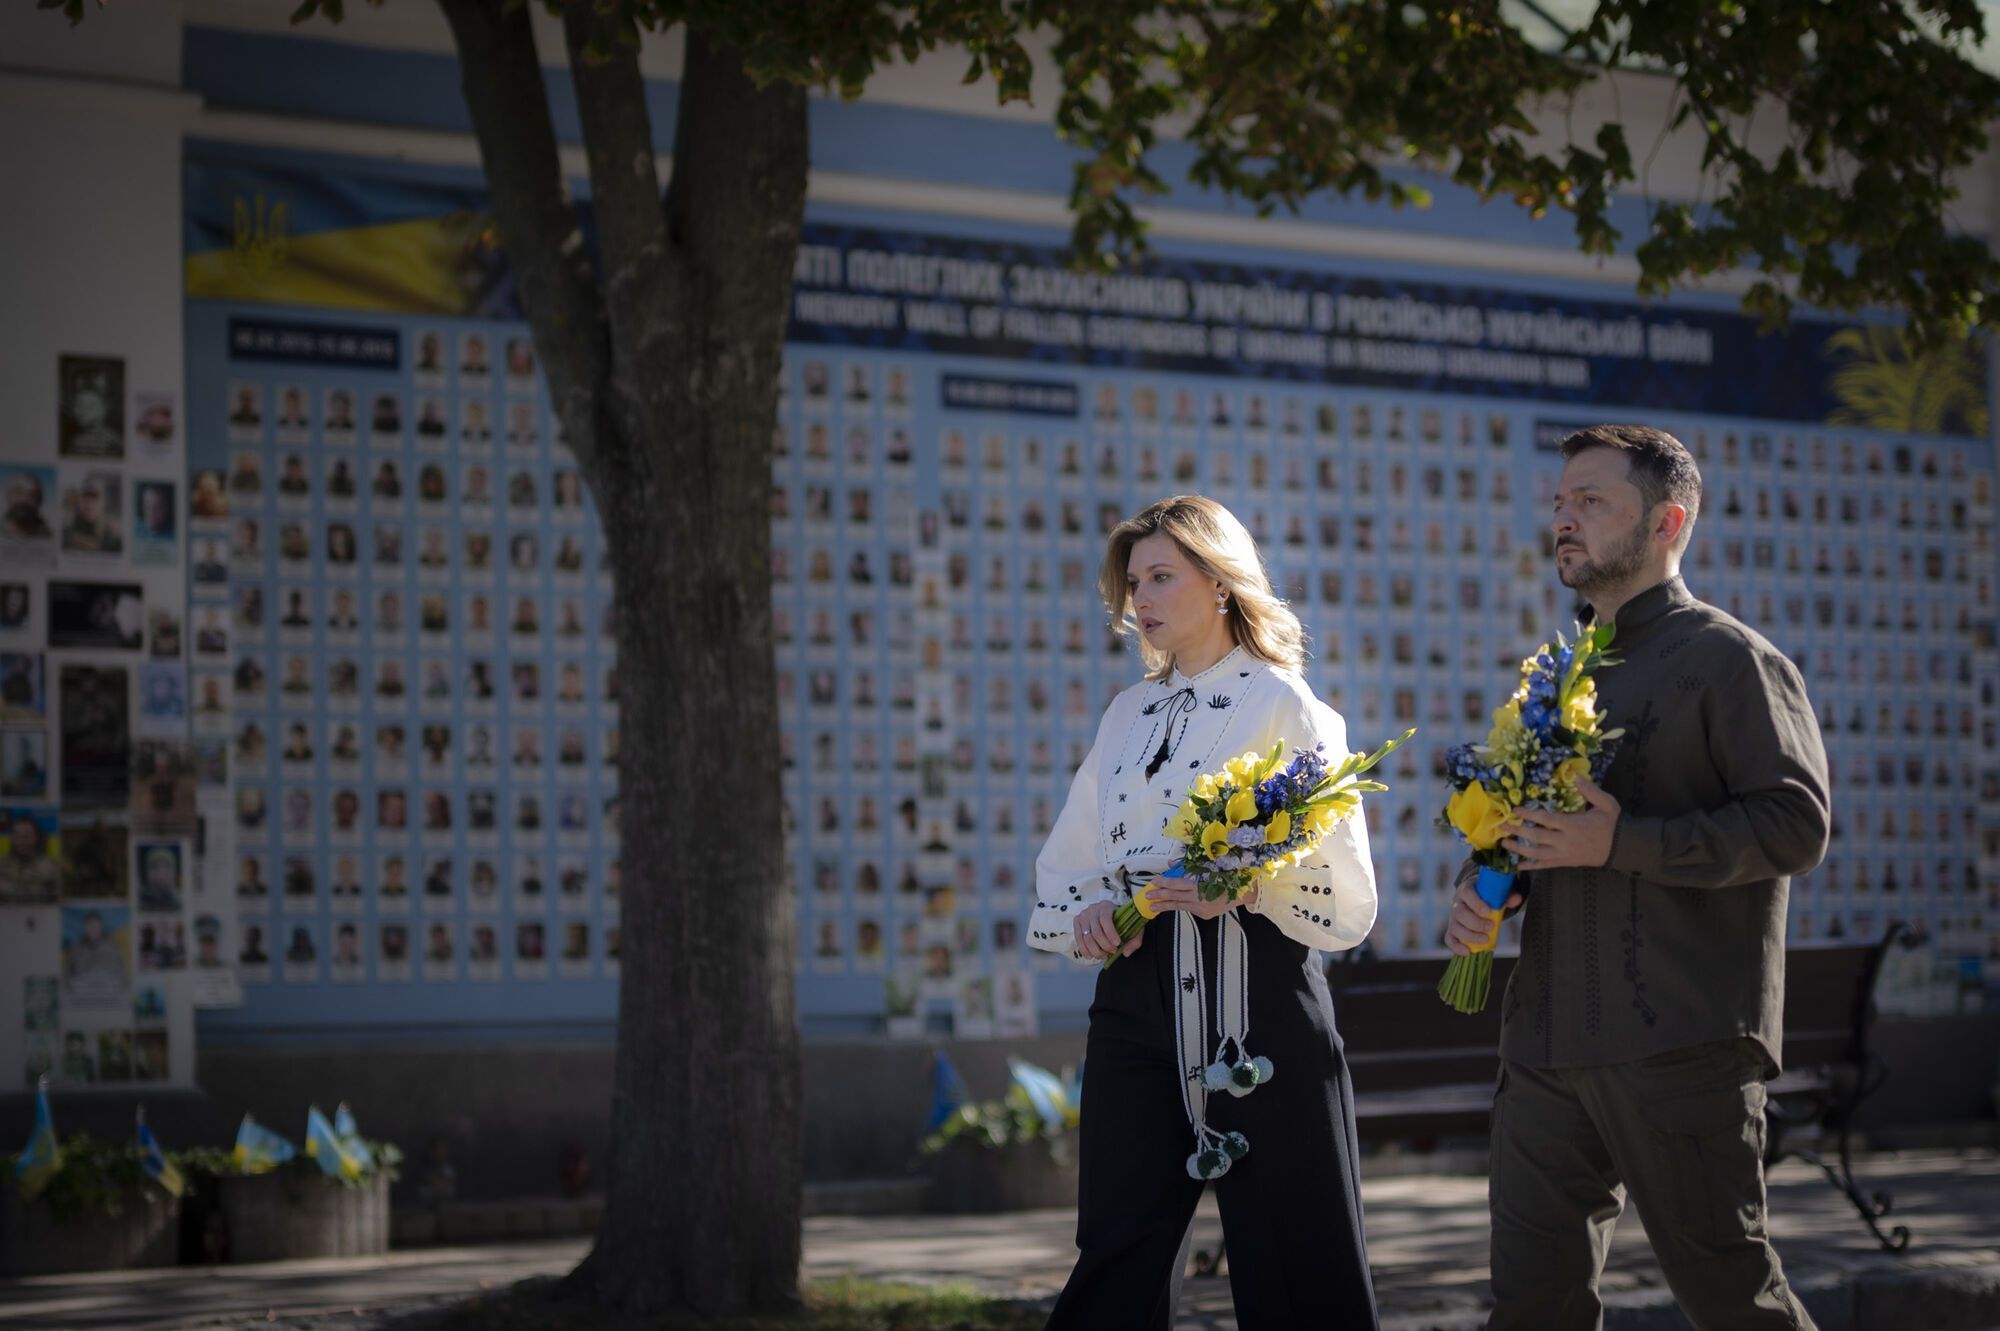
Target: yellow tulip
x=1242, y=807
x=1571, y=771
x=1214, y=839
x=1580, y=713
x=1205, y=787
x=1477, y=816
x=1279, y=829
x=1181, y=826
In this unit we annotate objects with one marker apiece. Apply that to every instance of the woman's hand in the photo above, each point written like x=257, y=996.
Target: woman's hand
x=1177, y=893
x=1097, y=934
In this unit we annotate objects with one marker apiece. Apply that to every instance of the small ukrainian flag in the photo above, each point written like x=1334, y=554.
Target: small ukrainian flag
x=345, y=1128
x=154, y=1160
x=1057, y=1100
x=258, y=1148
x=948, y=1091
x=326, y=1148
x=41, y=1157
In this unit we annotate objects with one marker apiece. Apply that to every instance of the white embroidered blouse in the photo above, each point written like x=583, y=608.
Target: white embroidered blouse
x=1156, y=738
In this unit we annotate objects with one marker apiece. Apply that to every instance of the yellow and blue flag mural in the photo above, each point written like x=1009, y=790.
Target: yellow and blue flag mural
x=327, y=1149
x=41, y=1157
x=258, y=1148
x=154, y=1160
x=267, y=233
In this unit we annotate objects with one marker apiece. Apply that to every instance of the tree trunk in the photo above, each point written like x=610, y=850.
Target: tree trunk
x=663, y=365
x=702, y=1202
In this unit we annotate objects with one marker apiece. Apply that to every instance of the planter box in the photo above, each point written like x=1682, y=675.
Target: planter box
x=290, y=1213
x=33, y=1242
x=969, y=1179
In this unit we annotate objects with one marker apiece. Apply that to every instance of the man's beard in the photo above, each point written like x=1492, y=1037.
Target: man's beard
x=1617, y=565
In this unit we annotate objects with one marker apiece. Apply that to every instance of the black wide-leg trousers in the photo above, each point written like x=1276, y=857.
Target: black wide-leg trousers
x=1291, y=1208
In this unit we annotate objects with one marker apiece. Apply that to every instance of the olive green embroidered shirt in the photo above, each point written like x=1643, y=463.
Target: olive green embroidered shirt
x=1679, y=939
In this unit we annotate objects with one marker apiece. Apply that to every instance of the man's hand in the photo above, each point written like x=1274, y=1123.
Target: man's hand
x=1474, y=925
x=1545, y=840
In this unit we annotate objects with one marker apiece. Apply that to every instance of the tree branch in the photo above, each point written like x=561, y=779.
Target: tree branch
x=736, y=203
x=625, y=193
x=538, y=224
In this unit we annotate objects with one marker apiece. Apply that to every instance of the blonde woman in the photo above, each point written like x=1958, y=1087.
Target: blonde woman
x=1206, y=981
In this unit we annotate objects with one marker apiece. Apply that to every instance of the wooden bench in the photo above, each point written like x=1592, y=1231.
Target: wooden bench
x=1829, y=1068
x=1422, y=1071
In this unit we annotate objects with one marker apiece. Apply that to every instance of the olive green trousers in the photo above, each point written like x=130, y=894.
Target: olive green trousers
x=1683, y=1133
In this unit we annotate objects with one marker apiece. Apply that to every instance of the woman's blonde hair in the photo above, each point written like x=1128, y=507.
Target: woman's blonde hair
x=1220, y=548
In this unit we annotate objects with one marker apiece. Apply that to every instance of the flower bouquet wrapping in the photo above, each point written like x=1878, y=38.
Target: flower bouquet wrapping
x=1546, y=736
x=1253, y=819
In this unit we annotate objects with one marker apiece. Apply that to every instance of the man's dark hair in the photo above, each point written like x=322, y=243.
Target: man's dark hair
x=1660, y=465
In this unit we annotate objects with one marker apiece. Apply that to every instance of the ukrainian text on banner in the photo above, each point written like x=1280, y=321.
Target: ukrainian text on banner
x=949, y=295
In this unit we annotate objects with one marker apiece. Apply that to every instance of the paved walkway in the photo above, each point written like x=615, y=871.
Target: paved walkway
x=1427, y=1238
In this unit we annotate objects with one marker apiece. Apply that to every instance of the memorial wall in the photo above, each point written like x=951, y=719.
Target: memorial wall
x=400, y=626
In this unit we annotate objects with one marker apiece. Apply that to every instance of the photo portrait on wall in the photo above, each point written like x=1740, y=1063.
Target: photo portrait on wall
x=93, y=521
x=96, y=729
x=154, y=533
x=92, y=404
x=27, y=534
x=108, y=615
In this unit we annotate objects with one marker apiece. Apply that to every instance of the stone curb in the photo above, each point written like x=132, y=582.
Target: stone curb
x=1963, y=1298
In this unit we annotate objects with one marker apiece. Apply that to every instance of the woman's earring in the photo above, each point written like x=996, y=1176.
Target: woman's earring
x=1221, y=603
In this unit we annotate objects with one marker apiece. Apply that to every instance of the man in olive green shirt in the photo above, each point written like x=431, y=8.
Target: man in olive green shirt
x=1646, y=1011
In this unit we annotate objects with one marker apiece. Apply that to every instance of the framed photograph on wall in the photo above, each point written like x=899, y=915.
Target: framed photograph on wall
x=91, y=400
x=103, y=615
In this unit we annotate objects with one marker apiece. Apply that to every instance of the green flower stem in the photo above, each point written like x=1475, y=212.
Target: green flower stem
x=1129, y=922
x=1468, y=982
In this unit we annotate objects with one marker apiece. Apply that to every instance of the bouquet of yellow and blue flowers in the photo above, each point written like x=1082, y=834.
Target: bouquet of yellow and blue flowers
x=1547, y=735
x=1253, y=819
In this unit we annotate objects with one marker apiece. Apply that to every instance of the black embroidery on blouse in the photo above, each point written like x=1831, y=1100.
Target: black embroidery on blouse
x=1221, y=703
x=1175, y=707
x=1187, y=983
x=1118, y=833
